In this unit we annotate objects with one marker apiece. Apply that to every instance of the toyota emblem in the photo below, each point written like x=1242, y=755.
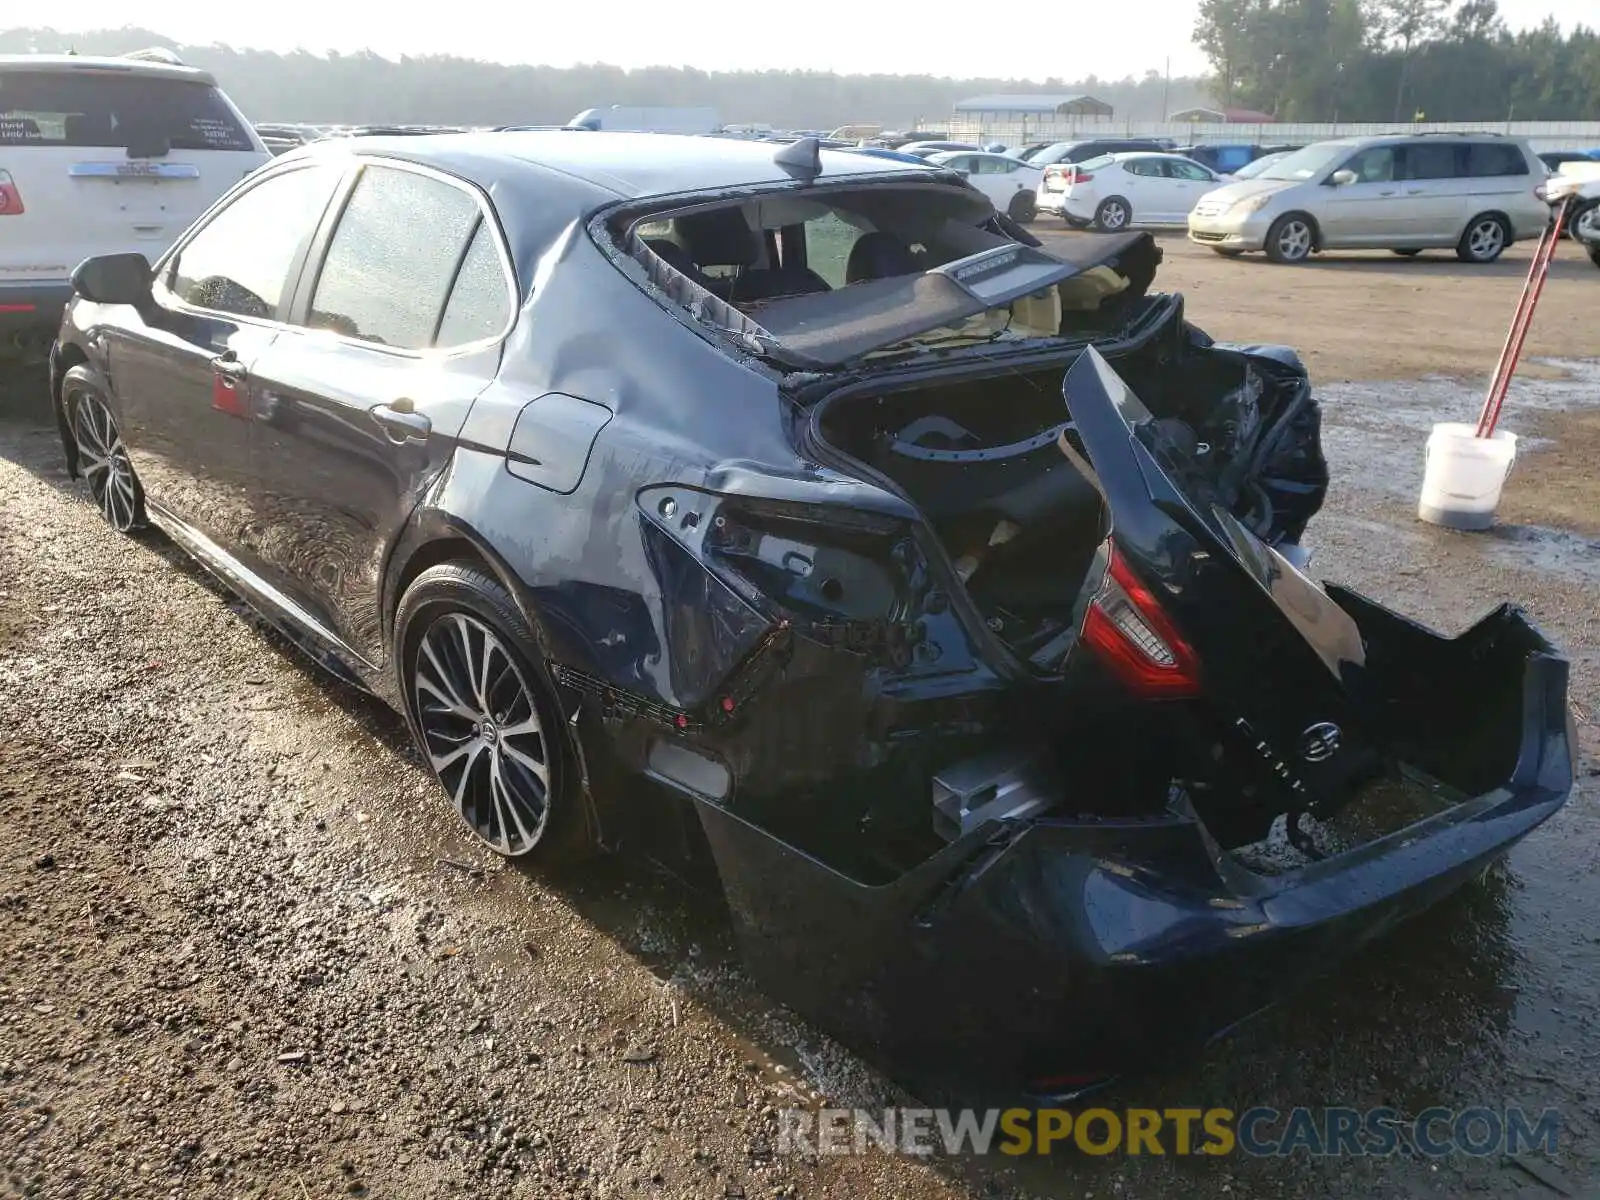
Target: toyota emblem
x=1320, y=742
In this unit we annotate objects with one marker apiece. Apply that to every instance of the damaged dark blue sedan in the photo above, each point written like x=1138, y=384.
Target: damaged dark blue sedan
x=943, y=594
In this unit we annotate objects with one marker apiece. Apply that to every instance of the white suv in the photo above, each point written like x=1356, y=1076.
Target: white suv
x=1475, y=193
x=100, y=155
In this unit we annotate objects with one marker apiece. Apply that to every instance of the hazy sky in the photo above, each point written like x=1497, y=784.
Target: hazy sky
x=1003, y=41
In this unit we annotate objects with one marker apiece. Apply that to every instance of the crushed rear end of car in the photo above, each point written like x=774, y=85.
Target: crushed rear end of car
x=1026, y=753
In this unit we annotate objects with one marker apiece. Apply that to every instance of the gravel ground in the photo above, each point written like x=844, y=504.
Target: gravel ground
x=247, y=951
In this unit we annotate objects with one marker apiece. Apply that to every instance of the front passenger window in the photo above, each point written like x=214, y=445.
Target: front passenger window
x=1373, y=166
x=393, y=258
x=240, y=262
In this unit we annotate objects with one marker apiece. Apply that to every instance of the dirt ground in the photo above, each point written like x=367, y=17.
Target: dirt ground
x=247, y=951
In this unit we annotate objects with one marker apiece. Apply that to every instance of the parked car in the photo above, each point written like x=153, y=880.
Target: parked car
x=1066, y=153
x=1476, y=193
x=924, y=149
x=886, y=153
x=1010, y=183
x=280, y=139
x=1227, y=158
x=1579, y=182
x=99, y=155
x=1122, y=191
x=1554, y=158
x=970, y=675
x=1255, y=167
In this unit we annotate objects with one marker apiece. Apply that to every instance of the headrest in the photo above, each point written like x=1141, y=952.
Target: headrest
x=878, y=256
x=719, y=238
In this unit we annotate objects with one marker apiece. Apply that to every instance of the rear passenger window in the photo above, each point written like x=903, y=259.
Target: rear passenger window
x=1433, y=160
x=480, y=303
x=392, y=260
x=1486, y=159
x=240, y=262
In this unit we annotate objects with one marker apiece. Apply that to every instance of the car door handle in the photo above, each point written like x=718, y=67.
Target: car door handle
x=401, y=421
x=1390, y=192
x=1414, y=191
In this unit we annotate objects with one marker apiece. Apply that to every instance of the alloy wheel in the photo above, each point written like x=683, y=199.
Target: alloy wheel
x=482, y=732
x=1486, y=239
x=1113, y=216
x=1294, y=241
x=1587, y=226
x=105, y=463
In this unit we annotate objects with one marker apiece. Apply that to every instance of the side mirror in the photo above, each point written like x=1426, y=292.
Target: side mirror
x=113, y=279
x=1343, y=178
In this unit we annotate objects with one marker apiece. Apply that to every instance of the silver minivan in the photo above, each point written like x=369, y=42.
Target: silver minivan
x=1474, y=193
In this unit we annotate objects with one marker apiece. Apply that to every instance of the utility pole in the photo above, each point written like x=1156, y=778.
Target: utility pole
x=1166, y=92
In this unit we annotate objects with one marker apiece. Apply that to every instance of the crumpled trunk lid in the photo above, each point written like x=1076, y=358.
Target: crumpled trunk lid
x=1283, y=667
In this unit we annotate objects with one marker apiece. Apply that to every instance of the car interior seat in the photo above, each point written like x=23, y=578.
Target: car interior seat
x=723, y=238
x=879, y=255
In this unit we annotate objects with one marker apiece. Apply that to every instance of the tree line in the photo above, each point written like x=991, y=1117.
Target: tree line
x=440, y=89
x=1396, y=60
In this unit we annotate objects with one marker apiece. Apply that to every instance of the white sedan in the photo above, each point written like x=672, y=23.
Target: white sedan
x=1120, y=191
x=1010, y=183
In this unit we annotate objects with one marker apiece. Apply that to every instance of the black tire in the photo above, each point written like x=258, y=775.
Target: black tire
x=1074, y=222
x=1594, y=254
x=100, y=456
x=1589, y=211
x=1406, y=253
x=455, y=617
x=1485, y=239
x=1292, y=238
x=1023, y=208
x=1114, y=215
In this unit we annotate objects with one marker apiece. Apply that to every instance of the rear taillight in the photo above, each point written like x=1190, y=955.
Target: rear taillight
x=1080, y=176
x=10, y=197
x=1127, y=628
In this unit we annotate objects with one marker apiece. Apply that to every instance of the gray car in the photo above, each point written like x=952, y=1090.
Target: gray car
x=1474, y=193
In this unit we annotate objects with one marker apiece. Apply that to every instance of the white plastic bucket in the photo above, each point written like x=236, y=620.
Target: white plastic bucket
x=1463, y=475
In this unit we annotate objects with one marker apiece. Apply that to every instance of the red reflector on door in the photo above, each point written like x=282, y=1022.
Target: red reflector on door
x=227, y=395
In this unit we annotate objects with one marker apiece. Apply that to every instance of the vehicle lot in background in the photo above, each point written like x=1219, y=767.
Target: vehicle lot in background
x=304, y=892
x=99, y=156
x=1009, y=182
x=1406, y=194
x=1124, y=191
x=1052, y=153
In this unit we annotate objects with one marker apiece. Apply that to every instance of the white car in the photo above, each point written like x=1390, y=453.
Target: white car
x=100, y=156
x=1010, y=183
x=1120, y=191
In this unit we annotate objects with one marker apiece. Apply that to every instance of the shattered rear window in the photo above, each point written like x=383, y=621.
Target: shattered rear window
x=816, y=278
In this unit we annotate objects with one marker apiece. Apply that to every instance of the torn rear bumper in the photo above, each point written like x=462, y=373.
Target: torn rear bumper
x=1040, y=957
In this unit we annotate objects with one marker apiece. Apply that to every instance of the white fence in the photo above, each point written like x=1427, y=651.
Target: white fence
x=1015, y=129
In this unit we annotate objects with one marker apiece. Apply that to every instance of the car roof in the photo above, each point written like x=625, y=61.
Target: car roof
x=626, y=165
x=1124, y=155
x=95, y=65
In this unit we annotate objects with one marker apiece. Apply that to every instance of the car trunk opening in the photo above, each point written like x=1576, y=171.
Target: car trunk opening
x=1208, y=470
x=982, y=456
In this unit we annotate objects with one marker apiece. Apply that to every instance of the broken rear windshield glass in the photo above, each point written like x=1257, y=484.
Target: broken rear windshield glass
x=817, y=279
x=81, y=108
